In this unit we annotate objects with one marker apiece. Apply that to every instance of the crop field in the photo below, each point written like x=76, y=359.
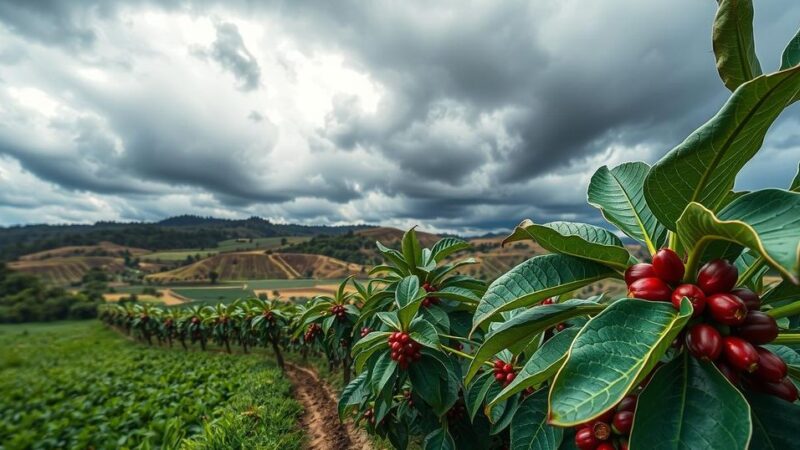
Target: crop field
x=214, y=294
x=230, y=245
x=80, y=385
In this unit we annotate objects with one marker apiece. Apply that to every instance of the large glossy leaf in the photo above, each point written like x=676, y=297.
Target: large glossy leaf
x=765, y=221
x=611, y=355
x=411, y=249
x=576, y=239
x=774, y=422
x=537, y=279
x=543, y=364
x=781, y=293
x=526, y=325
x=619, y=195
x=703, y=167
x=439, y=439
x=690, y=405
x=795, y=186
x=447, y=246
x=435, y=380
x=791, y=54
x=353, y=394
x=408, y=297
x=529, y=428
x=733, y=43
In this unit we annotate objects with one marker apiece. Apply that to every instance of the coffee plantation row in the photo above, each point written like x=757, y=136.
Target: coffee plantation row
x=702, y=354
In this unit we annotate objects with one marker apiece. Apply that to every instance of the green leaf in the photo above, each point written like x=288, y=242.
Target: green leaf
x=577, y=239
x=382, y=372
x=703, y=168
x=774, y=422
x=353, y=394
x=458, y=294
x=795, y=187
x=611, y=355
x=764, y=221
x=447, y=246
x=541, y=365
x=537, y=279
x=529, y=428
x=411, y=250
x=781, y=293
x=408, y=297
x=791, y=54
x=424, y=332
x=435, y=380
x=618, y=193
x=439, y=439
x=733, y=43
x=476, y=393
x=689, y=405
x=526, y=325
x=393, y=256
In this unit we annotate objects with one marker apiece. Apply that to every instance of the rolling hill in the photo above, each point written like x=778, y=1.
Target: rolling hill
x=259, y=265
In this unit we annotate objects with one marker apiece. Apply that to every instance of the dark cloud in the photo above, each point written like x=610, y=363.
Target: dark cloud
x=229, y=51
x=485, y=112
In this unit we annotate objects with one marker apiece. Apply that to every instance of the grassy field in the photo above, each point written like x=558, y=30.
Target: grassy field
x=80, y=385
x=214, y=295
x=231, y=245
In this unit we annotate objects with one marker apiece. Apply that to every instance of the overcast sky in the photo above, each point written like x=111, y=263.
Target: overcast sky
x=460, y=116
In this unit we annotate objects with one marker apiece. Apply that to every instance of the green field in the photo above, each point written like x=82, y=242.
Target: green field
x=214, y=295
x=80, y=385
x=231, y=245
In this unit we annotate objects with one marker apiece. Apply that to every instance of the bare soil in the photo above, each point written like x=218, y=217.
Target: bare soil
x=320, y=418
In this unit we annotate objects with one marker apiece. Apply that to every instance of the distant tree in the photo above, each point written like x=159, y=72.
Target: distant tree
x=284, y=241
x=213, y=276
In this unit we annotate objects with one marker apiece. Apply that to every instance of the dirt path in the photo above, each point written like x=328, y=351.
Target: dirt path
x=286, y=268
x=320, y=419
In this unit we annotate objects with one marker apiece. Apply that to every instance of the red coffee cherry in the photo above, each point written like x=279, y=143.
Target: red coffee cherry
x=639, y=271
x=548, y=301
x=695, y=296
x=784, y=389
x=757, y=328
x=653, y=289
x=623, y=421
x=726, y=309
x=750, y=298
x=740, y=354
x=668, y=266
x=628, y=403
x=717, y=276
x=770, y=366
x=704, y=342
x=605, y=446
x=585, y=440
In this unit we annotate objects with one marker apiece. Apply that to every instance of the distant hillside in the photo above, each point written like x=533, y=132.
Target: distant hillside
x=259, y=265
x=101, y=249
x=173, y=233
x=358, y=247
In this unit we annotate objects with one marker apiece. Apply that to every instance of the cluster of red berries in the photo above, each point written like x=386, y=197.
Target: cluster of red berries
x=365, y=331
x=312, y=331
x=268, y=316
x=195, y=320
x=609, y=431
x=732, y=326
x=457, y=412
x=428, y=301
x=504, y=372
x=404, y=349
x=168, y=323
x=338, y=311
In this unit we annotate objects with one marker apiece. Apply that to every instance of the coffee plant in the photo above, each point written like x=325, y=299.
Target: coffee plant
x=700, y=354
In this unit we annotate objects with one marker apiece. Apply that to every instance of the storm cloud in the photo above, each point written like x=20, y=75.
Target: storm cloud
x=463, y=116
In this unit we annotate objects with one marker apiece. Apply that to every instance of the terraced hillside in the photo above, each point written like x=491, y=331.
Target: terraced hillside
x=259, y=265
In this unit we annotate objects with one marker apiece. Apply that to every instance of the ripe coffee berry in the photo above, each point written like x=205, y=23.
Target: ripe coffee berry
x=717, y=276
x=695, y=296
x=770, y=366
x=504, y=373
x=740, y=354
x=668, y=266
x=365, y=331
x=404, y=349
x=726, y=309
x=428, y=301
x=650, y=289
x=757, y=328
x=605, y=446
x=585, y=440
x=623, y=421
x=730, y=373
x=750, y=298
x=639, y=271
x=338, y=311
x=704, y=342
x=628, y=403
x=548, y=301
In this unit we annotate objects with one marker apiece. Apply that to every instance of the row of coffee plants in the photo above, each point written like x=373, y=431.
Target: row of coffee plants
x=701, y=354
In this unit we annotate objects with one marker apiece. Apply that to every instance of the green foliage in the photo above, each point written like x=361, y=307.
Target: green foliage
x=81, y=386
